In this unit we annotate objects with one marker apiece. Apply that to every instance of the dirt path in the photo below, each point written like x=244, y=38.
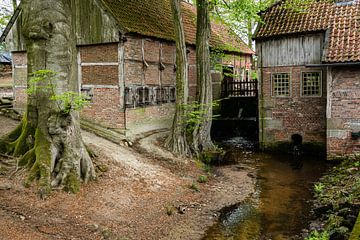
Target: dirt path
x=129, y=201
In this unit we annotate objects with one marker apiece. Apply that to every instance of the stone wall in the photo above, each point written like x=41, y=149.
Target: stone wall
x=20, y=79
x=282, y=117
x=343, y=115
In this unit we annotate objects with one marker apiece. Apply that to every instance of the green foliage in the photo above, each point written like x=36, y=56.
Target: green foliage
x=195, y=114
x=194, y=187
x=216, y=56
x=339, y=192
x=70, y=101
x=319, y=188
x=43, y=82
x=315, y=235
x=202, y=179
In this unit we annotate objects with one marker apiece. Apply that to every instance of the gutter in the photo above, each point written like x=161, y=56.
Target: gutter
x=334, y=64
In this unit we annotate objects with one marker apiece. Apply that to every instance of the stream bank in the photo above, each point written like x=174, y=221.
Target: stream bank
x=279, y=209
x=337, y=202
x=138, y=196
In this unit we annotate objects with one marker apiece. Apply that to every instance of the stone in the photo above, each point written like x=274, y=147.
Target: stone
x=5, y=186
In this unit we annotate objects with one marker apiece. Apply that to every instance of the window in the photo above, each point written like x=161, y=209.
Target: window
x=140, y=94
x=311, y=84
x=172, y=94
x=280, y=84
x=129, y=97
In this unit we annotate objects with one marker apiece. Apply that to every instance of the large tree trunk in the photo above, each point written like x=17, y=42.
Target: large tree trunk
x=201, y=134
x=48, y=139
x=176, y=141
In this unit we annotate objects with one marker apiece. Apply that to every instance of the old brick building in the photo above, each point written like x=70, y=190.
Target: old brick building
x=126, y=60
x=309, y=64
x=5, y=75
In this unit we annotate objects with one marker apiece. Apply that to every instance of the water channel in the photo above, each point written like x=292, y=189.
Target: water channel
x=279, y=209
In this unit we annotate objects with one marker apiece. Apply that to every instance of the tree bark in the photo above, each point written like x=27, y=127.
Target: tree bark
x=49, y=140
x=201, y=134
x=176, y=141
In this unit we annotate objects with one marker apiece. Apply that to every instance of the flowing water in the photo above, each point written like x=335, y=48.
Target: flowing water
x=279, y=208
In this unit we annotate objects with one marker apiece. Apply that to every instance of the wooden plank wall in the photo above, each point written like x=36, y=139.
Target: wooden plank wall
x=291, y=51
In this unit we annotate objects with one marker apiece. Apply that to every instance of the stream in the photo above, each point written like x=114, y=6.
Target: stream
x=279, y=209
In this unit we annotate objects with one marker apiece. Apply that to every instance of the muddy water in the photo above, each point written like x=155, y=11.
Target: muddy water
x=279, y=208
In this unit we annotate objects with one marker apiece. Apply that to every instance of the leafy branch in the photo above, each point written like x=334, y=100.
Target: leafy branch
x=42, y=82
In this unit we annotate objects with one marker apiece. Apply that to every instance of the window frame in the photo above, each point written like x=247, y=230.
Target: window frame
x=272, y=85
x=302, y=84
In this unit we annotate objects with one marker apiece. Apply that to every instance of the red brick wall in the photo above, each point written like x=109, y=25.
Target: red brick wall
x=152, y=75
x=99, y=53
x=100, y=75
x=344, y=113
x=168, y=53
x=20, y=79
x=105, y=108
x=281, y=117
x=19, y=58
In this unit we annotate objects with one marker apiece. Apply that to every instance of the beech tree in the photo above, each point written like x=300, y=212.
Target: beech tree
x=177, y=141
x=49, y=139
x=201, y=139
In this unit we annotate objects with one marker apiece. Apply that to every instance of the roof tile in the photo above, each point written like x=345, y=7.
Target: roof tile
x=153, y=18
x=342, y=21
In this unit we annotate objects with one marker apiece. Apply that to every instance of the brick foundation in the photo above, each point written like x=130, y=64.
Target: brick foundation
x=281, y=117
x=343, y=112
x=149, y=118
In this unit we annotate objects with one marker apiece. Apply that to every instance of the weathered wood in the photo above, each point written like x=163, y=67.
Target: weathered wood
x=292, y=50
x=92, y=23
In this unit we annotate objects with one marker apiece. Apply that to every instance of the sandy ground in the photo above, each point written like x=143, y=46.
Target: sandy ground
x=129, y=201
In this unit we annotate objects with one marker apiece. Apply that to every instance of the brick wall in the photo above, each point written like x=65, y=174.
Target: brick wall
x=99, y=68
x=20, y=79
x=343, y=111
x=105, y=108
x=281, y=117
x=101, y=53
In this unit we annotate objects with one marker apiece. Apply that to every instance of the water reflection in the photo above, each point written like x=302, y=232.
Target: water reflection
x=279, y=209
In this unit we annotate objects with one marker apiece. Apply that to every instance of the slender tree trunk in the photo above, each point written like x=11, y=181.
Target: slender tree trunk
x=48, y=140
x=201, y=134
x=249, y=32
x=176, y=141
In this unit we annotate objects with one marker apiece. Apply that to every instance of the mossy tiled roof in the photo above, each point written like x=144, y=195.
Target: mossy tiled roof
x=341, y=20
x=153, y=18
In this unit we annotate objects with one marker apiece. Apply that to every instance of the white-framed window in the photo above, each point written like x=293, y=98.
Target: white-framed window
x=311, y=84
x=280, y=84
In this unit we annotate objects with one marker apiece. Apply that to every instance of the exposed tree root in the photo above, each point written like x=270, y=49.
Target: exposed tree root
x=178, y=145
x=55, y=156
